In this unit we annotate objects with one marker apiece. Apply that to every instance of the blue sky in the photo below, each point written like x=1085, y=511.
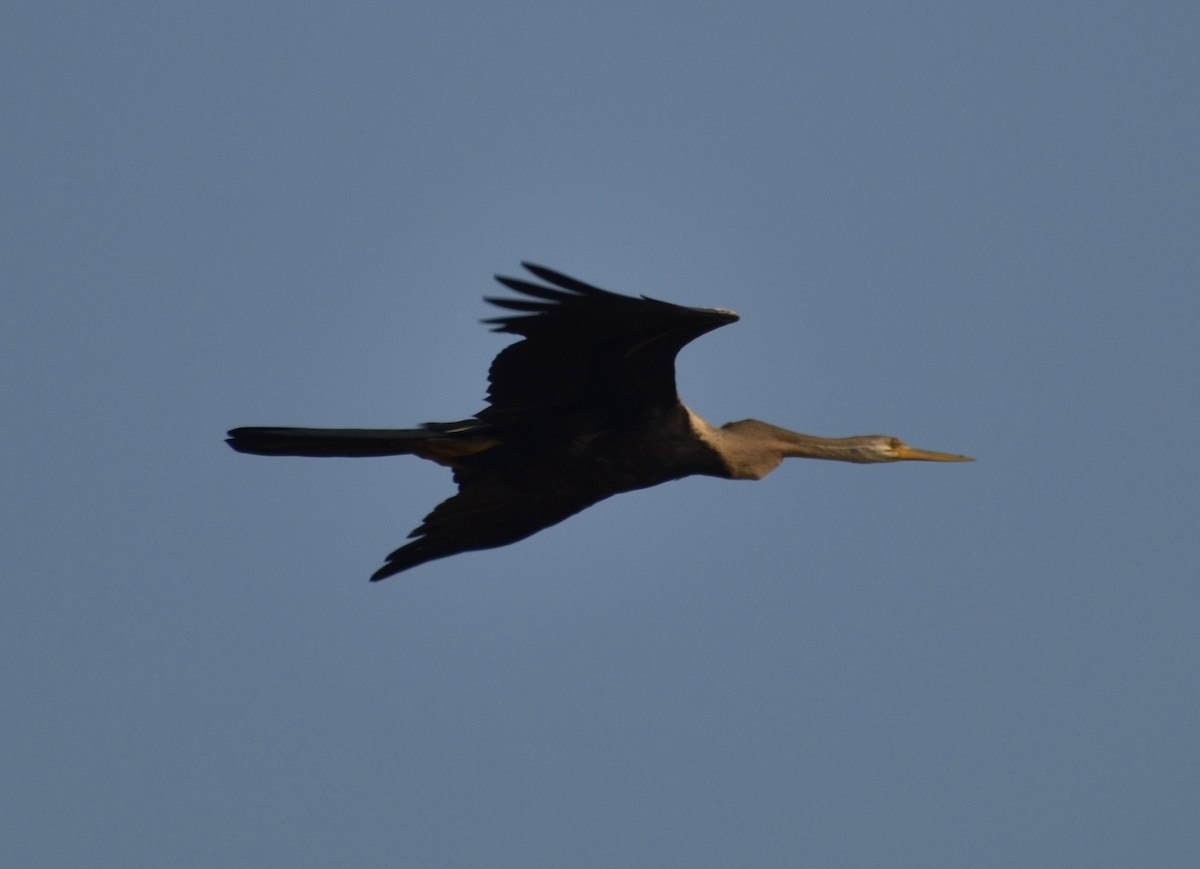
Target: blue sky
x=973, y=226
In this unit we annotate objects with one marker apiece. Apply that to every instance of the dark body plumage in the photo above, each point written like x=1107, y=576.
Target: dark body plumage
x=583, y=407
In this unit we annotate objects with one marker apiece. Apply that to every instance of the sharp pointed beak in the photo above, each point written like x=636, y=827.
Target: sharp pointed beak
x=906, y=453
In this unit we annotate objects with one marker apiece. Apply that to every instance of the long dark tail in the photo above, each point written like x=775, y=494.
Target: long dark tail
x=328, y=441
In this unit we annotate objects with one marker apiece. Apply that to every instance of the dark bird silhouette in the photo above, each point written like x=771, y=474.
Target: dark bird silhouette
x=581, y=408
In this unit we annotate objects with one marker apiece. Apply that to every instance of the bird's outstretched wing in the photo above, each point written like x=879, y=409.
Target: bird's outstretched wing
x=587, y=348
x=484, y=514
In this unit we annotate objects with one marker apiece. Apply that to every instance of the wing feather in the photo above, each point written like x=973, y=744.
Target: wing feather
x=586, y=349
x=484, y=514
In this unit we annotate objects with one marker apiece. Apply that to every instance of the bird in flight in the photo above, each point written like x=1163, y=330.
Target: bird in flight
x=583, y=407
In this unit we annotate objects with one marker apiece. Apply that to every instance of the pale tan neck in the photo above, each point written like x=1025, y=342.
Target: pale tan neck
x=806, y=446
x=752, y=449
x=762, y=440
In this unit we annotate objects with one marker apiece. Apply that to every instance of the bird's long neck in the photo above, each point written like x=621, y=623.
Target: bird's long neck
x=793, y=444
x=749, y=450
x=752, y=449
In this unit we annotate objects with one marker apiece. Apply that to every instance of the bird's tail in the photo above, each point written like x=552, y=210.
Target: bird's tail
x=324, y=441
x=441, y=442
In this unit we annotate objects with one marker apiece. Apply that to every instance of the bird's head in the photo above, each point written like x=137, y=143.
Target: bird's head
x=871, y=449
